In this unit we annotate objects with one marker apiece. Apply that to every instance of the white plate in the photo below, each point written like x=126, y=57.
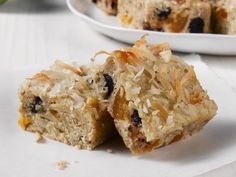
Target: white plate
x=200, y=43
x=21, y=156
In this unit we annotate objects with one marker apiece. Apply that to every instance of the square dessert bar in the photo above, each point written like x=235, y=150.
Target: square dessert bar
x=108, y=6
x=224, y=16
x=166, y=16
x=156, y=98
x=66, y=104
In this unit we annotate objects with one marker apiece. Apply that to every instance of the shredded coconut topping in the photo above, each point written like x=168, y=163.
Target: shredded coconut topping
x=145, y=109
x=166, y=55
x=136, y=90
x=148, y=103
x=139, y=73
x=170, y=120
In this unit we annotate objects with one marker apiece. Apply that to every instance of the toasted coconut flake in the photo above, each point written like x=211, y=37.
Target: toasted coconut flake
x=142, y=53
x=126, y=57
x=154, y=91
x=162, y=112
x=142, y=41
x=40, y=76
x=79, y=101
x=137, y=101
x=136, y=90
x=190, y=75
x=164, y=69
x=170, y=120
x=68, y=67
x=84, y=84
x=197, y=97
x=100, y=53
x=177, y=84
x=148, y=103
x=139, y=73
x=145, y=109
x=154, y=113
x=158, y=121
x=166, y=55
x=157, y=48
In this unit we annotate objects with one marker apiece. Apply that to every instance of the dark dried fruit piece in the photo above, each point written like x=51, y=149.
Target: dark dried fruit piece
x=114, y=5
x=109, y=84
x=36, y=105
x=137, y=121
x=196, y=25
x=164, y=13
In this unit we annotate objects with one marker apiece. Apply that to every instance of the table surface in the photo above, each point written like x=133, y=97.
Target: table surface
x=38, y=32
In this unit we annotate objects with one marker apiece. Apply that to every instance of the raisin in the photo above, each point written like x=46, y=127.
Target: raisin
x=136, y=119
x=164, y=13
x=36, y=102
x=94, y=1
x=196, y=25
x=109, y=84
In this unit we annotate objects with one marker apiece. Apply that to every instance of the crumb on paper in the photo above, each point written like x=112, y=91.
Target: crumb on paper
x=109, y=150
x=62, y=164
x=39, y=138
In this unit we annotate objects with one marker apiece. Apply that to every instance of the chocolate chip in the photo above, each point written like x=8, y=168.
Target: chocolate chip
x=164, y=13
x=196, y=25
x=136, y=119
x=109, y=84
x=94, y=1
x=37, y=101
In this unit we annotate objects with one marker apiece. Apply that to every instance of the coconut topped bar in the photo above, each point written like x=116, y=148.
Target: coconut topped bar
x=157, y=98
x=66, y=104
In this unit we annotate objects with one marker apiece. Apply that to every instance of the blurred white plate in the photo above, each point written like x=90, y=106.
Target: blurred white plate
x=21, y=156
x=184, y=42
